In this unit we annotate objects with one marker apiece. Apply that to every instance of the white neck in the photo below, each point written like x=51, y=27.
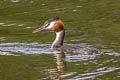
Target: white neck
x=58, y=42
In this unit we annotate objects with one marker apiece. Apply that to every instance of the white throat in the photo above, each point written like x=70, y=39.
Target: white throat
x=58, y=42
x=57, y=37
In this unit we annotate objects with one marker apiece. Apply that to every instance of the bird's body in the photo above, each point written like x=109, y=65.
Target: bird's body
x=78, y=49
x=57, y=25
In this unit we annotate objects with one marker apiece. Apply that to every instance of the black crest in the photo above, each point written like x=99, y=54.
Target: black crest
x=50, y=20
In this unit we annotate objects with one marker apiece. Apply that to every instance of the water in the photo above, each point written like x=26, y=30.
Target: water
x=27, y=56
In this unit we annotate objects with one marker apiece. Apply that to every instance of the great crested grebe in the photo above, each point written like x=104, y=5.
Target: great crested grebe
x=57, y=25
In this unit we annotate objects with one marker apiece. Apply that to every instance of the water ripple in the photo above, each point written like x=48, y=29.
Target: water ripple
x=1, y=23
x=26, y=48
x=14, y=1
x=2, y=38
x=92, y=75
x=110, y=52
x=74, y=58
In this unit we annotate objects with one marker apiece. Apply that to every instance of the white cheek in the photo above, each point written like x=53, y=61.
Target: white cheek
x=51, y=25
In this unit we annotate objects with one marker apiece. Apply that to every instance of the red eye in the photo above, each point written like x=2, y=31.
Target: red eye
x=47, y=25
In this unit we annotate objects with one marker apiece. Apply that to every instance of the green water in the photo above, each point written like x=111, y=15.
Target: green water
x=92, y=22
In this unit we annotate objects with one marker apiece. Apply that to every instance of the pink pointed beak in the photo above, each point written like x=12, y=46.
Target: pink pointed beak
x=39, y=29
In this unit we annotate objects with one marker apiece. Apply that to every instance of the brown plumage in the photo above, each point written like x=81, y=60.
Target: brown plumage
x=58, y=26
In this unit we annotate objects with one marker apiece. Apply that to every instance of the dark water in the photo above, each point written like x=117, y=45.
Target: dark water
x=27, y=56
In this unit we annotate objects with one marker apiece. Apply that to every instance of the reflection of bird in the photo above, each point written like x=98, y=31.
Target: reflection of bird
x=57, y=25
x=61, y=64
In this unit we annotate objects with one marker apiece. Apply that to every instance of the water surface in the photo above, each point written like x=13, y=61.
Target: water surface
x=27, y=56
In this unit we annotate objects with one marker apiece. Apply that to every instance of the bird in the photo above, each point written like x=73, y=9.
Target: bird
x=57, y=26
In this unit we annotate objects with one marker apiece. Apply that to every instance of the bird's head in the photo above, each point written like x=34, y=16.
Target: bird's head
x=52, y=24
